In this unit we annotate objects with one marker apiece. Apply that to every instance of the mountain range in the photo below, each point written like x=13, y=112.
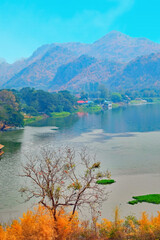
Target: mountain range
x=116, y=60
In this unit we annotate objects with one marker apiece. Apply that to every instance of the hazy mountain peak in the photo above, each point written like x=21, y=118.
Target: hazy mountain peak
x=115, y=33
x=112, y=36
x=2, y=60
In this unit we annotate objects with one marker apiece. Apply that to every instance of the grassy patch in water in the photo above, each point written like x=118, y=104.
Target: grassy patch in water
x=105, y=181
x=60, y=114
x=134, y=102
x=30, y=119
x=115, y=105
x=149, y=198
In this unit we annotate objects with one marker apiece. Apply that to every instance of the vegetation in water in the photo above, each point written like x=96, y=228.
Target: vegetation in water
x=105, y=181
x=60, y=114
x=140, y=101
x=30, y=119
x=149, y=198
x=115, y=105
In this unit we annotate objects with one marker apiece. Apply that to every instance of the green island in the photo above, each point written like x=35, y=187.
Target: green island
x=149, y=198
x=105, y=181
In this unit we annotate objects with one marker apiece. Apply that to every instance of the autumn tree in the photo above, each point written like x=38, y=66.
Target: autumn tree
x=64, y=178
x=9, y=110
x=7, y=97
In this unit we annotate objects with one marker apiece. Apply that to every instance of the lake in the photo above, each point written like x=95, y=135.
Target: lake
x=126, y=140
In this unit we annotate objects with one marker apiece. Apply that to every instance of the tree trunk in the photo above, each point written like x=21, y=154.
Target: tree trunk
x=57, y=237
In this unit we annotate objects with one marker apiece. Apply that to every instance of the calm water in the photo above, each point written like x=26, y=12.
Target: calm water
x=126, y=141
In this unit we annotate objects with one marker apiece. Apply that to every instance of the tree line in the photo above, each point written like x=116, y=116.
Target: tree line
x=35, y=101
x=31, y=101
x=101, y=92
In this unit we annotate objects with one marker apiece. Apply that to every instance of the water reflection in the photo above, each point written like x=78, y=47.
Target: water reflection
x=9, y=168
x=142, y=118
x=12, y=140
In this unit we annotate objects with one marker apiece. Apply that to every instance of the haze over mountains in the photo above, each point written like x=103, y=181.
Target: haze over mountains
x=116, y=60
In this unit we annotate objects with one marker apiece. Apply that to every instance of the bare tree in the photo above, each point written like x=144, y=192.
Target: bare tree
x=64, y=178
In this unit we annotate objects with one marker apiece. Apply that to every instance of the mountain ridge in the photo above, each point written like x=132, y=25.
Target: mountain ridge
x=46, y=65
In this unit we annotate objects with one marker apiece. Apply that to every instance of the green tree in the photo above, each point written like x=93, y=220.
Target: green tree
x=116, y=97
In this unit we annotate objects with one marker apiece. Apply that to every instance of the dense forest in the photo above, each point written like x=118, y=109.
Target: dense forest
x=38, y=101
x=14, y=104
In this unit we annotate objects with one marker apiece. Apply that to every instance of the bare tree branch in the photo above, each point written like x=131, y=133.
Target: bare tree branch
x=64, y=178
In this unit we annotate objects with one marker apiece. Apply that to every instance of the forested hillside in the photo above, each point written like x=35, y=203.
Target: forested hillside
x=71, y=65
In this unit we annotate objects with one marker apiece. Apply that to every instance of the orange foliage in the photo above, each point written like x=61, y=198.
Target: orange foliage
x=2, y=233
x=40, y=225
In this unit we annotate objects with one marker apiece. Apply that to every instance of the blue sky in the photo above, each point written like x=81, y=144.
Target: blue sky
x=27, y=24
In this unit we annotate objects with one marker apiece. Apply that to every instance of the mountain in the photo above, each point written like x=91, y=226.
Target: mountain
x=76, y=47
x=67, y=72
x=143, y=72
x=120, y=47
x=67, y=65
x=115, y=46
x=100, y=72
x=39, y=73
x=7, y=71
x=84, y=70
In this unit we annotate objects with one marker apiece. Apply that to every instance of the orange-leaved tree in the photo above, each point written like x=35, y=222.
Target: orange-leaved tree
x=39, y=225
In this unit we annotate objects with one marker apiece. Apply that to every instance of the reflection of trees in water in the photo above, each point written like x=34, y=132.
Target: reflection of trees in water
x=66, y=122
x=12, y=147
x=11, y=140
x=10, y=165
x=142, y=118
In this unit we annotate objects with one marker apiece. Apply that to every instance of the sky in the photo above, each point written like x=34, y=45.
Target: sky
x=26, y=25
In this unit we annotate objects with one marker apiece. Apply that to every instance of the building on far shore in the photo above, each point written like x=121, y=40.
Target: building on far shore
x=107, y=105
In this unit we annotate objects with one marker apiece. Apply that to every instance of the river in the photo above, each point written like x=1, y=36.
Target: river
x=126, y=141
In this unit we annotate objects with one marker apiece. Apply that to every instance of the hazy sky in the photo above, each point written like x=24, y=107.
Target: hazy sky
x=27, y=24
